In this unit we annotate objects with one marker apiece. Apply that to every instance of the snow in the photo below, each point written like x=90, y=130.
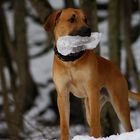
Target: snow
x=56, y=5
x=102, y=1
x=136, y=51
x=35, y=33
x=41, y=68
x=135, y=135
x=1, y=100
x=102, y=13
x=77, y=3
x=135, y=119
x=135, y=19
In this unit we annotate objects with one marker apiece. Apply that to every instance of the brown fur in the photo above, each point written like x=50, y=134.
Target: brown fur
x=85, y=78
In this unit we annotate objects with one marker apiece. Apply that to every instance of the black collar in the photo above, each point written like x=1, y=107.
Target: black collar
x=69, y=57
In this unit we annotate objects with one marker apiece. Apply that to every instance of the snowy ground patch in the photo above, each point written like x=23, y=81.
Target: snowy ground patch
x=135, y=135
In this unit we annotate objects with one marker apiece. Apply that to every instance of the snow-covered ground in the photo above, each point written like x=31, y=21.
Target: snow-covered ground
x=135, y=135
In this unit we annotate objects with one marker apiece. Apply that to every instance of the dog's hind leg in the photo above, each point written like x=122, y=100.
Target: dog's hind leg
x=121, y=107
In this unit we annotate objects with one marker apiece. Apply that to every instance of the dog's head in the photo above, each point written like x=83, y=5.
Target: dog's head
x=68, y=21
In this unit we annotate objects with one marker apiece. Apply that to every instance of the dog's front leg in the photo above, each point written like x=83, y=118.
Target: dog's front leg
x=94, y=110
x=64, y=109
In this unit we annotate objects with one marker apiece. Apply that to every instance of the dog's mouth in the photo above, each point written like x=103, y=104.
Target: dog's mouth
x=83, y=31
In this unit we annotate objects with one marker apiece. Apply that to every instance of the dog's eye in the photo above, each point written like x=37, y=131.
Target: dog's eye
x=72, y=19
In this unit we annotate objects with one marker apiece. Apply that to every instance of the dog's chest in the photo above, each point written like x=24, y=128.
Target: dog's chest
x=77, y=83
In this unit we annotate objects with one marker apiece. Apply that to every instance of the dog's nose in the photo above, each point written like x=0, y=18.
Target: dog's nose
x=83, y=31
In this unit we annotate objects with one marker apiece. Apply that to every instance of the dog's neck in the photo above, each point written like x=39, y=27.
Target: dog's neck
x=68, y=58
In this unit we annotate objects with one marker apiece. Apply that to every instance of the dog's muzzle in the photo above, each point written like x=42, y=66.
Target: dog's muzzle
x=83, y=31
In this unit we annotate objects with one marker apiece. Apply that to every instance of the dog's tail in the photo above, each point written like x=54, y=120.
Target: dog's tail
x=133, y=95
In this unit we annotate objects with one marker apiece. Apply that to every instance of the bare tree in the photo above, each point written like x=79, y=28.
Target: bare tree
x=127, y=41
x=17, y=54
x=22, y=59
x=139, y=5
x=114, y=31
x=6, y=62
x=69, y=3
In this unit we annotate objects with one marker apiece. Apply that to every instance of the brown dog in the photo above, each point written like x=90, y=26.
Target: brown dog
x=85, y=74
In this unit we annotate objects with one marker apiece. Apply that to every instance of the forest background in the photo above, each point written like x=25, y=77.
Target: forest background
x=28, y=107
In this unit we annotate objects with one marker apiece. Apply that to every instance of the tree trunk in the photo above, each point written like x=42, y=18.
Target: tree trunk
x=6, y=62
x=7, y=39
x=22, y=61
x=90, y=8
x=114, y=31
x=7, y=47
x=69, y=3
x=139, y=5
x=18, y=55
x=127, y=32
x=22, y=64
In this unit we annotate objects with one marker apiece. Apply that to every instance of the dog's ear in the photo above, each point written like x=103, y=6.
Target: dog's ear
x=51, y=21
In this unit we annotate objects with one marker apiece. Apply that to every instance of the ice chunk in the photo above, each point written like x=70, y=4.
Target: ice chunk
x=72, y=44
